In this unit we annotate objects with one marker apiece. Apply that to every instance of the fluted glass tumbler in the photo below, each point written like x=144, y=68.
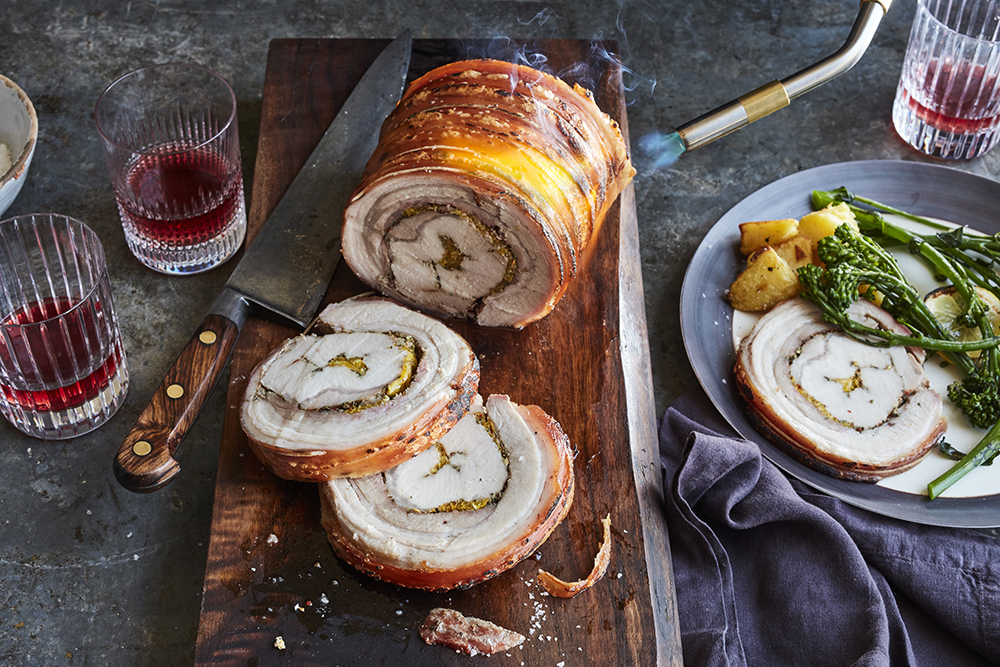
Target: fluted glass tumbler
x=62, y=365
x=948, y=98
x=170, y=140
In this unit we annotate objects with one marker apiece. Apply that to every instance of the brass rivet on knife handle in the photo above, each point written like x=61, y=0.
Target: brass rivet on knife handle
x=767, y=99
x=207, y=337
x=145, y=459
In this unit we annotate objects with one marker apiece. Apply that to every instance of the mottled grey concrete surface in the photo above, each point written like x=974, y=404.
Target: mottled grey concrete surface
x=93, y=575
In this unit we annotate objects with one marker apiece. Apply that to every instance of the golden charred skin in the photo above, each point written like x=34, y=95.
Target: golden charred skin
x=536, y=158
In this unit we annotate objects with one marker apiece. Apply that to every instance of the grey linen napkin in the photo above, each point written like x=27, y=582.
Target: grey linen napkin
x=770, y=572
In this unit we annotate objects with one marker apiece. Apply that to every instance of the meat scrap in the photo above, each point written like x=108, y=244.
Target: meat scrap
x=564, y=589
x=469, y=635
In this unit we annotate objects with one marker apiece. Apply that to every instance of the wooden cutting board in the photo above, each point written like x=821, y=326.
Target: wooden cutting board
x=270, y=572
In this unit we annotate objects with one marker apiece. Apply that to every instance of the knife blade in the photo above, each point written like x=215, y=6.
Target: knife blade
x=281, y=277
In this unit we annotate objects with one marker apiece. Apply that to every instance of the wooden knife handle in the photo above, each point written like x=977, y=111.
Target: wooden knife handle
x=145, y=460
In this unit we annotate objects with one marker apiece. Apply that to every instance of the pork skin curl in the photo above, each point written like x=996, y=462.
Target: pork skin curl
x=489, y=181
x=374, y=384
x=484, y=498
x=845, y=408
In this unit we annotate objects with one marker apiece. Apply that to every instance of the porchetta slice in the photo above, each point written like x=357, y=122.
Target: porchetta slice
x=477, y=503
x=848, y=409
x=372, y=385
x=489, y=181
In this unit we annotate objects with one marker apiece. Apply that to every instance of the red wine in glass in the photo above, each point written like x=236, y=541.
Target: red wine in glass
x=188, y=197
x=957, y=98
x=63, y=366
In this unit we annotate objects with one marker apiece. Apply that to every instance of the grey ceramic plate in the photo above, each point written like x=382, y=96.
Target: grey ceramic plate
x=706, y=318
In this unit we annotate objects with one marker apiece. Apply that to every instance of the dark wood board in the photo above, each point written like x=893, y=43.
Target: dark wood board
x=270, y=572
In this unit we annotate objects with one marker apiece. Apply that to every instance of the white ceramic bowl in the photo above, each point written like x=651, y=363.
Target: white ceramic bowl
x=19, y=131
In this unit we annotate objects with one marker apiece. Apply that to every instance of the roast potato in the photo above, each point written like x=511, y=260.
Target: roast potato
x=767, y=281
x=756, y=235
x=823, y=223
x=797, y=251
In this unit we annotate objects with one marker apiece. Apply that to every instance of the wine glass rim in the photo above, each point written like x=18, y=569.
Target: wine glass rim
x=159, y=149
x=84, y=298
x=925, y=5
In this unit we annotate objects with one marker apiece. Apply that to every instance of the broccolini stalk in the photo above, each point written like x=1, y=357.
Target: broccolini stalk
x=857, y=265
x=982, y=454
x=954, y=254
x=823, y=198
x=977, y=395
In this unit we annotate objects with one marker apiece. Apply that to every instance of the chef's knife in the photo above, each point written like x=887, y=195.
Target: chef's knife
x=282, y=276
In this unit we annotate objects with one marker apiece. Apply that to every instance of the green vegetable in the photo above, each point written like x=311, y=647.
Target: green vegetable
x=859, y=266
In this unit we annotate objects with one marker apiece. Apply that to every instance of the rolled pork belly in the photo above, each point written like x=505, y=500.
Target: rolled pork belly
x=848, y=409
x=489, y=181
x=474, y=505
x=374, y=384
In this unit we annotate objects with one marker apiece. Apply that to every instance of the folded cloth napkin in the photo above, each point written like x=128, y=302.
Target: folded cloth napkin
x=770, y=572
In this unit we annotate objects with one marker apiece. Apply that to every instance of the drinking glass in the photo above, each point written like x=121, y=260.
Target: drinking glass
x=62, y=364
x=948, y=98
x=170, y=140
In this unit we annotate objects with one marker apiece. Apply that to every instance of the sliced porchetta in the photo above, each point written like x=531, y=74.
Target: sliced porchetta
x=481, y=500
x=372, y=385
x=843, y=407
x=489, y=181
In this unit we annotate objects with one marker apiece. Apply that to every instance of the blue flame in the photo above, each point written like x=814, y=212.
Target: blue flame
x=662, y=149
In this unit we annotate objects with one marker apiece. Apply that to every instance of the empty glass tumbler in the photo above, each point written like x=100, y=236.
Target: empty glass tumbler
x=948, y=98
x=62, y=364
x=170, y=140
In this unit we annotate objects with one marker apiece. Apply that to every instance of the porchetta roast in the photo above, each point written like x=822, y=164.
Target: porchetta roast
x=370, y=386
x=848, y=409
x=489, y=181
